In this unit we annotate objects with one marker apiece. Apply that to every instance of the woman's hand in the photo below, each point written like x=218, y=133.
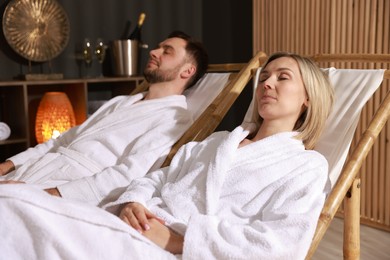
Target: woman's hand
x=137, y=216
x=164, y=237
x=6, y=167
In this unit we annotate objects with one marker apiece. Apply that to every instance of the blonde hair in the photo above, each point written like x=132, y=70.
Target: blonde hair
x=320, y=93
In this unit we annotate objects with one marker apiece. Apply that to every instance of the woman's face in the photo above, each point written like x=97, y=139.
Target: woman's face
x=281, y=95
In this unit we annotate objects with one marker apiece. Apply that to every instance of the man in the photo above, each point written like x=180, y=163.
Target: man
x=125, y=139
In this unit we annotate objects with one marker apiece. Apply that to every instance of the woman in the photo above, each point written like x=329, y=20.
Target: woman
x=254, y=193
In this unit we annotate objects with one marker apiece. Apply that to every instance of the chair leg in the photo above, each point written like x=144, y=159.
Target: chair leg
x=351, y=247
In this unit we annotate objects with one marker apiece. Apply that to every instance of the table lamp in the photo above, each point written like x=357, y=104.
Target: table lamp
x=54, y=116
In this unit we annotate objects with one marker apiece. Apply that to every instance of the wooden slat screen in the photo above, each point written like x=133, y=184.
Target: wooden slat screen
x=309, y=27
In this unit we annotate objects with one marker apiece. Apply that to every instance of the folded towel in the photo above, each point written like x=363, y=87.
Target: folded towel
x=5, y=131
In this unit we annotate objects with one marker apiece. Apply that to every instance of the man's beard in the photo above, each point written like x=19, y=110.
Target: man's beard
x=157, y=75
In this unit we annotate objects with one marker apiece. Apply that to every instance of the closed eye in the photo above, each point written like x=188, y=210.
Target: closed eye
x=261, y=80
x=168, y=49
x=284, y=76
x=263, y=77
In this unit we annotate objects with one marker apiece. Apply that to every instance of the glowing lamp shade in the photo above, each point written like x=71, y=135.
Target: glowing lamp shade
x=54, y=116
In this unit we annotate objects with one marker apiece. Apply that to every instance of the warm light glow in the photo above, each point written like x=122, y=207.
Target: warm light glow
x=55, y=134
x=54, y=116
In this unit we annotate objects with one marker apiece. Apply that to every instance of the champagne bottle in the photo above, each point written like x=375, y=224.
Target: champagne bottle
x=136, y=34
x=126, y=31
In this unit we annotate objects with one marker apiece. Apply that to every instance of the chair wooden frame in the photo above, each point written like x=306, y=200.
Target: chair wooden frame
x=347, y=186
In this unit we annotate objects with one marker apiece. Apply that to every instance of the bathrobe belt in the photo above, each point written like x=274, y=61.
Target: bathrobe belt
x=92, y=165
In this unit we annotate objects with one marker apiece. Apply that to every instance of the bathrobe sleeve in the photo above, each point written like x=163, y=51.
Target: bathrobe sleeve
x=282, y=229
x=149, y=153
x=39, y=150
x=36, y=152
x=143, y=189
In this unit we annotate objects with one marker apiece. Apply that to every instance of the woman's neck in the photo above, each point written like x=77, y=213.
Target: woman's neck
x=262, y=133
x=269, y=129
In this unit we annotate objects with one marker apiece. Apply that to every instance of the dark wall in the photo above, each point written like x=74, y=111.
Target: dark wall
x=227, y=30
x=223, y=25
x=227, y=34
x=107, y=19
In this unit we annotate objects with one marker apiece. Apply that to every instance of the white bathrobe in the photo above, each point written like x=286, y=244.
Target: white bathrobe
x=261, y=201
x=123, y=140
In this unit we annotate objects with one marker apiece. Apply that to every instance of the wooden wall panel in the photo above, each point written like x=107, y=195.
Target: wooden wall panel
x=309, y=27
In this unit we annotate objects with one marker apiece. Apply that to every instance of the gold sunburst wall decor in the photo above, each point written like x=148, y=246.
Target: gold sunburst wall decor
x=38, y=30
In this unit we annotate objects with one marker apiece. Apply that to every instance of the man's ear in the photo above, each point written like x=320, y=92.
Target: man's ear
x=189, y=70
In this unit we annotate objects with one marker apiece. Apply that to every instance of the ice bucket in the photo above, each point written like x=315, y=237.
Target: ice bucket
x=125, y=57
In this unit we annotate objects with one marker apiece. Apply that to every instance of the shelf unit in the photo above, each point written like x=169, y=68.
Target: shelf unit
x=19, y=102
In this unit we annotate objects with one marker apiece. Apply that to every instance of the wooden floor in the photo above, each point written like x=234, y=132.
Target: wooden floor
x=375, y=244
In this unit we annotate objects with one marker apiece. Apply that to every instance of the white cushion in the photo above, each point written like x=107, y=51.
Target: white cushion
x=199, y=96
x=202, y=94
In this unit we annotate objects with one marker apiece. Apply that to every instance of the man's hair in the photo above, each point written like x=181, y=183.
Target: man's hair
x=195, y=51
x=320, y=94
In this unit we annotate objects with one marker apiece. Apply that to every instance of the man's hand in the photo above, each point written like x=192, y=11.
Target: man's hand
x=164, y=237
x=6, y=167
x=53, y=191
x=137, y=216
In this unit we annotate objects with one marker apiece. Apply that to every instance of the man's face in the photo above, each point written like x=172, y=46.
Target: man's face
x=166, y=61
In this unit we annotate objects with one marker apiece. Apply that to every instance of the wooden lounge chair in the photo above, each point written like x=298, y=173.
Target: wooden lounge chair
x=347, y=185
x=344, y=170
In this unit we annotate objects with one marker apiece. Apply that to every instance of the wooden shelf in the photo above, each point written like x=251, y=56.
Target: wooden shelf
x=19, y=100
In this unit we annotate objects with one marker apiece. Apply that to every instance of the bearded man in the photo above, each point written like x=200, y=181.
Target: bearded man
x=126, y=138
